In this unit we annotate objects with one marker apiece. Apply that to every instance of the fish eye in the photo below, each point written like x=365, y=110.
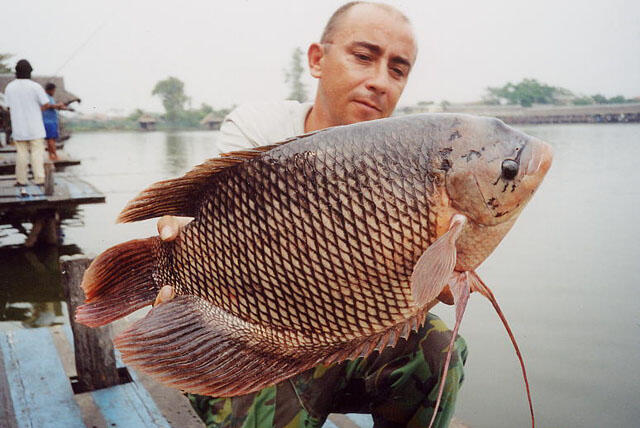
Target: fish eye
x=509, y=169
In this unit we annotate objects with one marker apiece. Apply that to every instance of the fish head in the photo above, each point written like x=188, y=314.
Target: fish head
x=490, y=172
x=492, y=169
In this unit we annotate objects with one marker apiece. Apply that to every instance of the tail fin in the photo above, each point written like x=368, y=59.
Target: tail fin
x=119, y=281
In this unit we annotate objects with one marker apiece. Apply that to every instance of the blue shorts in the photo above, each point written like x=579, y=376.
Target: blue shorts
x=51, y=129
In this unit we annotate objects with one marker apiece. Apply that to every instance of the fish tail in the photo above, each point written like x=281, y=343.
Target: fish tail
x=119, y=281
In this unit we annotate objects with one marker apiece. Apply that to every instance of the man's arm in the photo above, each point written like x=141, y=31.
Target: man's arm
x=43, y=100
x=57, y=106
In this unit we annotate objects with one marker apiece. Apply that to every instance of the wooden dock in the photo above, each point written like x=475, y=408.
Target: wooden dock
x=68, y=190
x=42, y=205
x=11, y=148
x=8, y=162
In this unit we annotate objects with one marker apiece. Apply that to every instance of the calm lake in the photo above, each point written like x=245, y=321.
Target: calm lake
x=567, y=276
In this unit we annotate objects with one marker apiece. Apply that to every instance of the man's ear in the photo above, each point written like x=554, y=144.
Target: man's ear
x=315, y=54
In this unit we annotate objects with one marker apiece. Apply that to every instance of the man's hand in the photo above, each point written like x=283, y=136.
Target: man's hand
x=165, y=294
x=168, y=229
x=169, y=226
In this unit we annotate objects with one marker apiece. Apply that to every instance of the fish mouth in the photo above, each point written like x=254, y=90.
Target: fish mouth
x=540, y=160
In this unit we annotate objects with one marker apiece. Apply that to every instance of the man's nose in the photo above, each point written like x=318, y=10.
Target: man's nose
x=378, y=81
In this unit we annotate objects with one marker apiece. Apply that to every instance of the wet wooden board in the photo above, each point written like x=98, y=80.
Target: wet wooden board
x=39, y=390
x=68, y=190
x=36, y=390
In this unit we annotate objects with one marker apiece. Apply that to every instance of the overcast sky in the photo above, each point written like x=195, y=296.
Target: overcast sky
x=231, y=52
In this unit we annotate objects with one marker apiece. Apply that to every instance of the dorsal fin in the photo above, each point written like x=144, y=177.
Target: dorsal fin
x=177, y=196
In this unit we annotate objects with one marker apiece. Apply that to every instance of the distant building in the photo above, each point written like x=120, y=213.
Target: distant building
x=147, y=122
x=213, y=120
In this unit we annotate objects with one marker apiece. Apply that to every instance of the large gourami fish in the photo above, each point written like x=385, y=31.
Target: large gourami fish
x=323, y=248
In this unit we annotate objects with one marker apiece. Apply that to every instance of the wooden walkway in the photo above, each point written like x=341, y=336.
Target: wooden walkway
x=43, y=206
x=36, y=375
x=68, y=190
x=11, y=148
x=8, y=162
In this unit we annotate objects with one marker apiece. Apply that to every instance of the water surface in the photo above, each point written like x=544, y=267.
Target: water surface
x=566, y=276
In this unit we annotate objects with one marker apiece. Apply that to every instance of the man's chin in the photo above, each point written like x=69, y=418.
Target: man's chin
x=363, y=117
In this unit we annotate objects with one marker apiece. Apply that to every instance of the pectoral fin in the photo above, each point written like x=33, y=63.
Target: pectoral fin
x=435, y=266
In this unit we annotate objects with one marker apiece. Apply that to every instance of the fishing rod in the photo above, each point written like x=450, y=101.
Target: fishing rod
x=74, y=53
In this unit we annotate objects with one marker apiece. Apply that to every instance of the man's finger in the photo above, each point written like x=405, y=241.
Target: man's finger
x=166, y=293
x=169, y=226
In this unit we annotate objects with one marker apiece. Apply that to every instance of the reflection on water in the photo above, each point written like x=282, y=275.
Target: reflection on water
x=567, y=274
x=176, y=158
x=30, y=290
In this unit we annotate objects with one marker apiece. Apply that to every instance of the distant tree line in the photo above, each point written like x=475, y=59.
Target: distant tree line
x=171, y=92
x=531, y=91
x=4, y=67
x=293, y=76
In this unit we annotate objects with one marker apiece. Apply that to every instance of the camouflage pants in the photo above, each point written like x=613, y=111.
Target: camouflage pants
x=398, y=387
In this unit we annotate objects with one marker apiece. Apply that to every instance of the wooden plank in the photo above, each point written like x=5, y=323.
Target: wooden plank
x=339, y=420
x=7, y=415
x=172, y=404
x=95, y=359
x=128, y=405
x=68, y=191
x=40, y=390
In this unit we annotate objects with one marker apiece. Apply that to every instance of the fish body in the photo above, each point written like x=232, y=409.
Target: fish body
x=323, y=248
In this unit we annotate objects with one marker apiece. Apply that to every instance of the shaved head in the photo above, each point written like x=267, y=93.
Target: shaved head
x=336, y=19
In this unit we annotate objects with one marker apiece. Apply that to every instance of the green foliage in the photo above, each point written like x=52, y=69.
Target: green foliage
x=79, y=124
x=601, y=99
x=444, y=105
x=582, y=101
x=135, y=115
x=293, y=76
x=5, y=68
x=171, y=91
x=526, y=93
x=618, y=99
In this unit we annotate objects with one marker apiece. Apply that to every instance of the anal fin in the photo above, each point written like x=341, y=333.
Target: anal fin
x=219, y=354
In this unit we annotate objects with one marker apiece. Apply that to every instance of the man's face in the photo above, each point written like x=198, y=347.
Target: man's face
x=365, y=65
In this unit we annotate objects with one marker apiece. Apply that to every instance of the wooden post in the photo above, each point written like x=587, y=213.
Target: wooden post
x=49, y=167
x=95, y=359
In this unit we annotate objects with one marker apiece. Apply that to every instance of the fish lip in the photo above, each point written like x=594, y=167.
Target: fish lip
x=541, y=158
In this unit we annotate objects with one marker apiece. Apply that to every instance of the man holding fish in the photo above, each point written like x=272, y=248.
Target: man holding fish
x=362, y=64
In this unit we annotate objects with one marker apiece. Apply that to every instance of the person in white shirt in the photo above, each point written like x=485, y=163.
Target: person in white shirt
x=26, y=99
x=362, y=63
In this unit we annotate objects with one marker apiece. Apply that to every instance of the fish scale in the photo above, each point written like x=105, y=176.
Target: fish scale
x=286, y=273
x=322, y=248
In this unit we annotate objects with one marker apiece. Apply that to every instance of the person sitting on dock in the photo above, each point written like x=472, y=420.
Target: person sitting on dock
x=362, y=64
x=50, y=119
x=26, y=100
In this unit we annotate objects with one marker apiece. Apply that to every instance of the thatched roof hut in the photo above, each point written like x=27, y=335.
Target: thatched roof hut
x=213, y=120
x=147, y=122
x=62, y=95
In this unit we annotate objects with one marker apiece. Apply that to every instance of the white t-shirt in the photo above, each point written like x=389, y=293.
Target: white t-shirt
x=253, y=125
x=24, y=98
